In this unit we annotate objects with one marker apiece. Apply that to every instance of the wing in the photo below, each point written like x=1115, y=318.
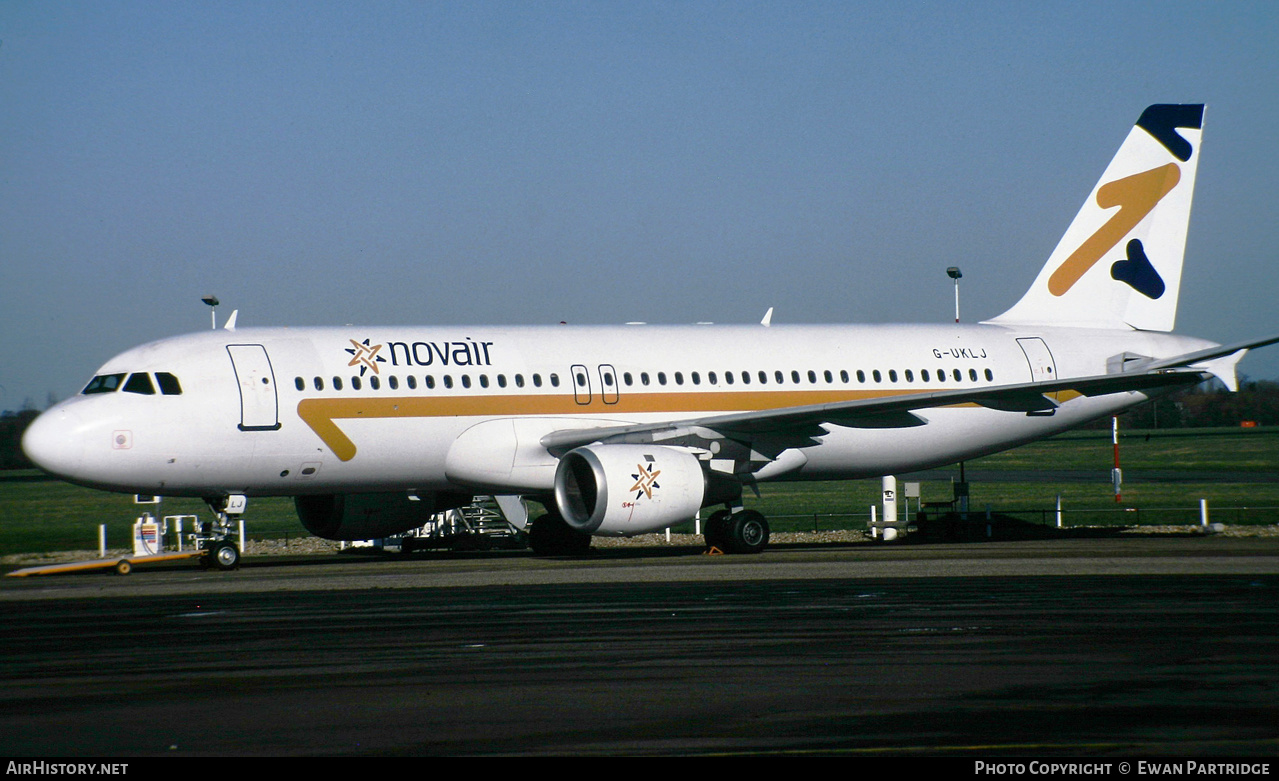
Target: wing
x=798, y=426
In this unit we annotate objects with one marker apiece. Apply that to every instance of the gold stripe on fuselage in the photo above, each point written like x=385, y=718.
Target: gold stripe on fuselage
x=321, y=413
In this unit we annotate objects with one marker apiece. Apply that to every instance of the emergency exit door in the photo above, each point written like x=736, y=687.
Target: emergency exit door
x=1040, y=358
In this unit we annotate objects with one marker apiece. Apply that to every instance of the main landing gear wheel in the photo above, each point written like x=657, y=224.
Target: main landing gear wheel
x=741, y=532
x=748, y=532
x=224, y=555
x=550, y=535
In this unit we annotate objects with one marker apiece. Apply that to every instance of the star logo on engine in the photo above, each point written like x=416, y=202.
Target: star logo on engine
x=645, y=481
x=365, y=357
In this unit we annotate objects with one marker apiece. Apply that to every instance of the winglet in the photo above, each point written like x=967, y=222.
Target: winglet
x=768, y=318
x=230, y=321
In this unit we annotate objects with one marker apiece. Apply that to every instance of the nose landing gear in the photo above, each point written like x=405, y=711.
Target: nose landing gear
x=215, y=537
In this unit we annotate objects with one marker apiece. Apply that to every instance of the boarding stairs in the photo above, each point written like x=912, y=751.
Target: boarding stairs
x=477, y=526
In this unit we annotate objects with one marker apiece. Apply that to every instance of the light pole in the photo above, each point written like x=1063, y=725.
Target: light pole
x=954, y=273
x=213, y=302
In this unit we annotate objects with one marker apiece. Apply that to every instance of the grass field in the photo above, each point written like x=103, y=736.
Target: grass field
x=1228, y=467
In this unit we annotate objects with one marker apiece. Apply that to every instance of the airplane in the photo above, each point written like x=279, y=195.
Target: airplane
x=629, y=429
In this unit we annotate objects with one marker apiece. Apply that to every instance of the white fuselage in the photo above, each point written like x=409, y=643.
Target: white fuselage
x=278, y=412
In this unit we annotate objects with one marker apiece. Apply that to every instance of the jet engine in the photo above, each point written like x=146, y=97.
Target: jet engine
x=621, y=490
x=370, y=516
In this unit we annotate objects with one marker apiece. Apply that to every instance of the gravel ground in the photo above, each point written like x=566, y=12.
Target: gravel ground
x=314, y=545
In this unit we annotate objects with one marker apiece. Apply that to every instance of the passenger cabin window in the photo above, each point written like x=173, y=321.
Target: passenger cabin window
x=104, y=383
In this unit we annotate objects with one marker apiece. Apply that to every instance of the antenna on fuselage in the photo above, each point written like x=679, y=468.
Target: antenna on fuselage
x=213, y=302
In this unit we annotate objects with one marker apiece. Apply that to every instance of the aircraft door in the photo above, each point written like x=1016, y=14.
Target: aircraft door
x=581, y=384
x=259, y=405
x=1040, y=358
x=608, y=384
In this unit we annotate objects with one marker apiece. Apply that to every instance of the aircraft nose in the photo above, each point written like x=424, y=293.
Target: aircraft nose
x=53, y=443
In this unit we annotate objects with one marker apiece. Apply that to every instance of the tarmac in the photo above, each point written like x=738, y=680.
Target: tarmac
x=1113, y=645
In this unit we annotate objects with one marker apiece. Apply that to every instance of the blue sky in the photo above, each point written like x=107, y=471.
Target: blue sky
x=526, y=162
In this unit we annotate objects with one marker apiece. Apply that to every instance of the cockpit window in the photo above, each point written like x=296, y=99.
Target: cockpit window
x=168, y=384
x=104, y=383
x=139, y=383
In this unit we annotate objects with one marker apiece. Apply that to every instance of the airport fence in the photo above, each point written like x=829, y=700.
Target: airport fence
x=1070, y=517
x=817, y=522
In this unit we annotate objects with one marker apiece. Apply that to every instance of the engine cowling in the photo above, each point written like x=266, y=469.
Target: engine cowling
x=621, y=490
x=370, y=516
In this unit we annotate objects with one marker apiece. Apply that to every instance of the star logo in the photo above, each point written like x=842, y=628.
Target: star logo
x=645, y=481
x=365, y=357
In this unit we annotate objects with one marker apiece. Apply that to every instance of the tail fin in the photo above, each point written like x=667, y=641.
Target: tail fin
x=1119, y=264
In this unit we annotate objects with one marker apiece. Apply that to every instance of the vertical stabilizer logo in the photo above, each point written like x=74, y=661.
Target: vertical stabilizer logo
x=1135, y=197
